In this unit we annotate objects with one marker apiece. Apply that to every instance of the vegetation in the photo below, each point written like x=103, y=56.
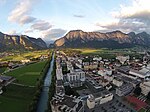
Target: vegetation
x=24, y=55
x=142, y=110
x=2, y=69
x=104, y=53
x=137, y=91
x=34, y=103
x=29, y=81
x=70, y=91
x=28, y=75
x=17, y=98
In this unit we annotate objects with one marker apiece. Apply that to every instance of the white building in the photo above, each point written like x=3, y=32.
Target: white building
x=122, y=59
x=99, y=98
x=145, y=87
x=97, y=58
x=59, y=74
x=117, y=82
x=76, y=75
x=104, y=71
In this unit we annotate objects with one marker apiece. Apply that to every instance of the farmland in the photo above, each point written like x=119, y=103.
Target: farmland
x=20, y=94
x=17, y=56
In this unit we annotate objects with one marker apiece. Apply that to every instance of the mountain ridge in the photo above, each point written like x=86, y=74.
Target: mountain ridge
x=20, y=42
x=114, y=39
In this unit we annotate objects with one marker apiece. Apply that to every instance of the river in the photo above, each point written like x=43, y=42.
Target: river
x=42, y=104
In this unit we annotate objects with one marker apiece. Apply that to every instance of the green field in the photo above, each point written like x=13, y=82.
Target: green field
x=24, y=55
x=107, y=53
x=28, y=75
x=16, y=98
x=2, y=69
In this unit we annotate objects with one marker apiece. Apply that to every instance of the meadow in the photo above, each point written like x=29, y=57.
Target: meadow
x=24, y=55
x=28, y=74
x=19, y=96
x=108, y=53
x=16, y=98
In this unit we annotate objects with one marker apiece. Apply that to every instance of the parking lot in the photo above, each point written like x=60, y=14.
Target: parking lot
x=113, y=106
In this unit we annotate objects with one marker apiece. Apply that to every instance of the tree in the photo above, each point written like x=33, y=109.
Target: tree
x=137, y=90
x=148, y=96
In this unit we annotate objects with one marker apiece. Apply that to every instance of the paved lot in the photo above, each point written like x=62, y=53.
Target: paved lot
x=113, y=106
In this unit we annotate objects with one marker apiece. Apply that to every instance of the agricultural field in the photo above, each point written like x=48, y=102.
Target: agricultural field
x=24, y=55
x=17, y=98
x=19, y=94
x=2, y=69
x=29, y=74
x=107, y=53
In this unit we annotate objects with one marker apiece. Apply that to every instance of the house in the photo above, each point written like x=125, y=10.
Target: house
x=25, y=61
x=124, y=89
x=5, y=80
x=99, y=98
x=65, y=103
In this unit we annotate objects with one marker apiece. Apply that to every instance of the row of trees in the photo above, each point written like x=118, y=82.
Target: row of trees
x=34, y=103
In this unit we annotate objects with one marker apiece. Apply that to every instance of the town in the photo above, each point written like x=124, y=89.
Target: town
x=93, y=84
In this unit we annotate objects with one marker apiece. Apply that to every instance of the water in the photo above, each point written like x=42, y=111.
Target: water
x=42, y=104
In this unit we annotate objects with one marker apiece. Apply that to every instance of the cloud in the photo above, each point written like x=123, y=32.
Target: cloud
x=134, y=17
x=41, y=25
x=20, y=14
x=78, y=16
x=53, y=34
x=13, y=32
x=123, y=25
x=28, y=31
x=27, y=19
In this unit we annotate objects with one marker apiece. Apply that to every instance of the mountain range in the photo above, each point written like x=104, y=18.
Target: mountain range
x=77, y=39
x=22, y=42
x=115, y=39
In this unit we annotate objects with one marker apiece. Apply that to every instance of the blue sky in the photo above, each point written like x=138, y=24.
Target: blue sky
x=51, y=19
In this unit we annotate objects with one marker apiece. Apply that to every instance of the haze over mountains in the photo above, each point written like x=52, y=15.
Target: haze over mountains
x=115, y=39
x=23, y=42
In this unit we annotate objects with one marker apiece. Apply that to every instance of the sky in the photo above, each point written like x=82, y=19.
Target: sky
x=51, y=19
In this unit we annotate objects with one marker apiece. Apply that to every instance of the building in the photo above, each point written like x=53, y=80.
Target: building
x=76, y=77
x=60, y=87
x=109, y=78
x=122, y=59
x=59, y=74
x=117, y=82
x=65, y=103
x=98, y=98
x=104, y=71
x=143, y=74
x=5, y=80
x=124, y=89
x=145, y=87
x=90, y=65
